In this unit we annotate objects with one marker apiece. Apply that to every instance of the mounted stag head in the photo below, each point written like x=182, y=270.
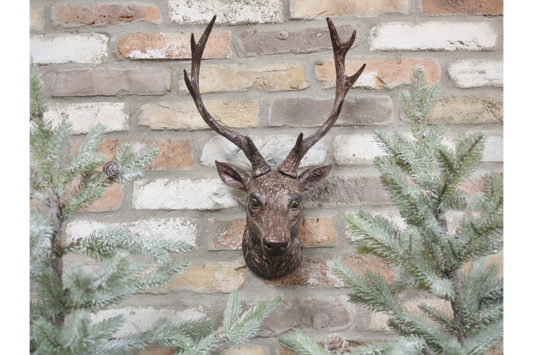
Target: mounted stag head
x=274, y=208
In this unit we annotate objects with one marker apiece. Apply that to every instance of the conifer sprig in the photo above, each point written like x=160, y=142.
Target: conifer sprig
x=423, y=178
x=64, y=305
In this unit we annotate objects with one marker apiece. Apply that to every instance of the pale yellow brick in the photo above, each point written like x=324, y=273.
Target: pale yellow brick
x=460, y=110
x=184, y=115
x=240, y=77
x=36, y=19
x=245, y=351
x=325, y=8
x=210, y=278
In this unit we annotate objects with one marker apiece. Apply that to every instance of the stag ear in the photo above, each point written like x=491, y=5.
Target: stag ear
x=233, y=176
x=313, y=177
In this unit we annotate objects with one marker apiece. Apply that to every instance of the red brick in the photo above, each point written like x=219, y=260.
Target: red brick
x=467, y=7
x=171, y=46
x=106, y=14
x=111, y=200
x=173, y=154
x=319, y=272
x=108, y=82
x=379, y=73
x=318, y=232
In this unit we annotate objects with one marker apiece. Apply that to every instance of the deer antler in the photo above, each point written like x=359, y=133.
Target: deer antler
x=259, y=165
x=343, y=84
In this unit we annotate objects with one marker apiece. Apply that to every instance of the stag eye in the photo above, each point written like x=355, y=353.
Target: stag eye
x=294, y=205
x=254, y=203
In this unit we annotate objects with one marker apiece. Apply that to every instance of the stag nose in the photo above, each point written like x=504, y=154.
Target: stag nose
x=276, y=246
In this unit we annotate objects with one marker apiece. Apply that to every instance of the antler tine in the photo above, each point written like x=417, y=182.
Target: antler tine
x=343, y=84
x=259, y=165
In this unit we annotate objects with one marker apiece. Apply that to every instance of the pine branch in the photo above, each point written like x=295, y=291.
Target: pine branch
x=106, y=242
x=430, y=256
x=456, y=167
x=132, y=162
x=241, y=328
x=161, y=276
x=405, y=346
x=372, y=290
x=108, y=285
x=37, y=104
x=303, y=344
x=85, y=160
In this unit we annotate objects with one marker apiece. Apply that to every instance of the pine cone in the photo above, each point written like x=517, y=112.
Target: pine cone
x=337, y=343
x=112, y=169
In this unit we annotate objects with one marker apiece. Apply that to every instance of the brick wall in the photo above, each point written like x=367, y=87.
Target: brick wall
x=267, y=72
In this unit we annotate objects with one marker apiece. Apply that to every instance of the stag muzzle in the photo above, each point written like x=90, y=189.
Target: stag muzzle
x=274, y=247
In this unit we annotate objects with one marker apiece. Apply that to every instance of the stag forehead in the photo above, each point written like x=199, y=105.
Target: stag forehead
x=274, y=182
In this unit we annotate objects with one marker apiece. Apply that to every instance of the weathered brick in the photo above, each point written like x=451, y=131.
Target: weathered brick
x=184, y=115
x=141, y=319
x=84, y=116
x=171, y=46
x=174, y=154
x=108, y=82
x=111, y=200
x=36, y=19
x=379, y=73
x=357, y=149
x=433, y=35
x=493, y=151
x=227, y=235
x=222, y=277
x=228, y=12
x=188, y=194
x=319, y=272
x=346, y=190
x=318, y=232
x=307, y=40
x=314, y=232
x=240, y=77
x=303, y=112
x=461, y=110
x=504, y=36
x=335, y=314
x=324, y=8
x=100, y=14
x=88, y=48
x=467, y=7
x=244, y=351
x=476, y=73
x=274, y=149
x=166, y=228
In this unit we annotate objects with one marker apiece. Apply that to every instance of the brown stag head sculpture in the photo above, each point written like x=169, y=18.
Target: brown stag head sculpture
x=274, y=208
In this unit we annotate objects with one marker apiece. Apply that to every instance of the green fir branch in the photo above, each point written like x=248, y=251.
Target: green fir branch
x=132, y=163
x=303, y=344
x=85, y=159
x=241, y=328
x=405, y=346
x=423, y=178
